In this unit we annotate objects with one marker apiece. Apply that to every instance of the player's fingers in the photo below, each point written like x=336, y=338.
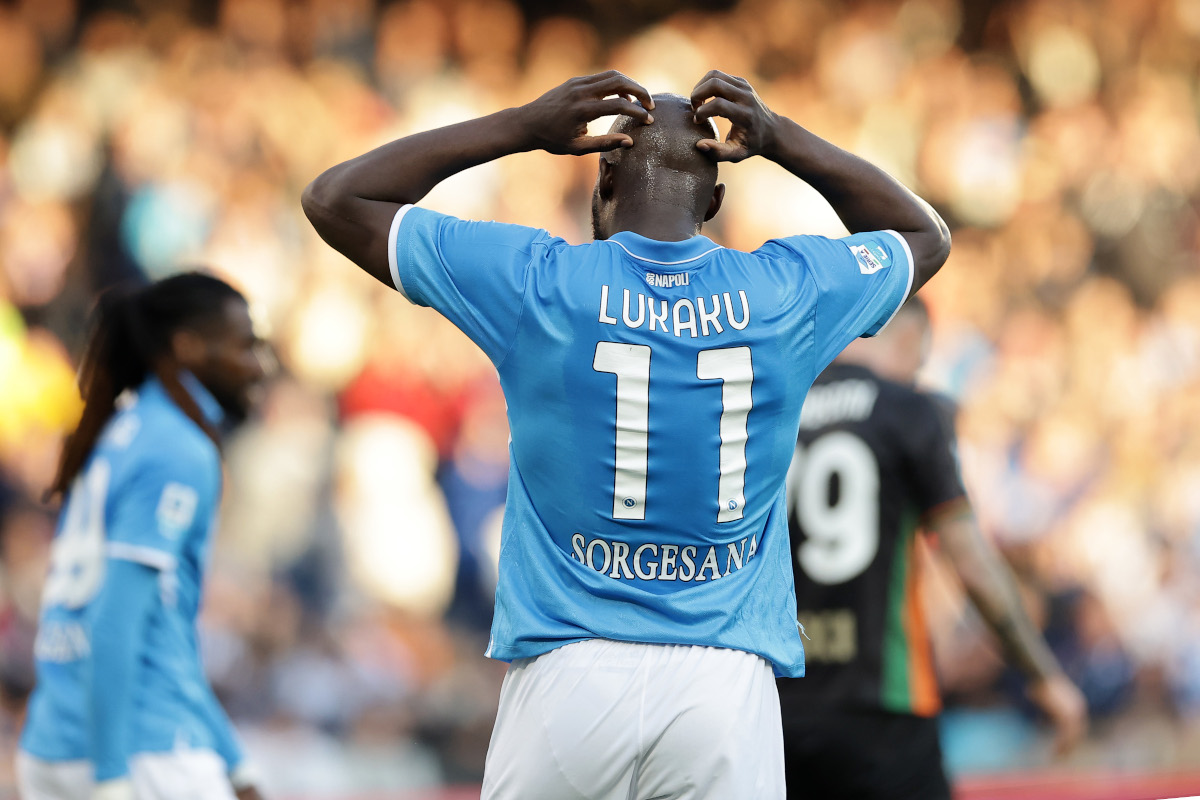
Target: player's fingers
x=725, y=76
x=599, y=144
x=619, y=105
x=616, y=83
x=714, y=74
x=722, y=151
x=597, y=76
x=718, y=87
x=720, y=107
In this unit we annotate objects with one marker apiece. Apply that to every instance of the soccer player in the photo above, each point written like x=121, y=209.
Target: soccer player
x=654, y=381
x=122, y=708
x=875, y=462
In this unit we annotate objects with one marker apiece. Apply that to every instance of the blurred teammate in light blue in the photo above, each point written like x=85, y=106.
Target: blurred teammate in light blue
x=122, y=709
x=654, y=381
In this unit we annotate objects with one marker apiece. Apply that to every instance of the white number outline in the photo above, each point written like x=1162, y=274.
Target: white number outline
x=733, y=366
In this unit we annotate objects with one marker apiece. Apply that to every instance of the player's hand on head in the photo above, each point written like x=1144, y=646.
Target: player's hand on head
x=1062, y=702
x=558, y=119
x=752, y=130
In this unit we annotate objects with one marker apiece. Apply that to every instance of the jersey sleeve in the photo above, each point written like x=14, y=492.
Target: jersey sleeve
x=118, y=622
x=165, y=495
x=225, y=740
x=932, y=450
x=472, y=272
x=861, y=281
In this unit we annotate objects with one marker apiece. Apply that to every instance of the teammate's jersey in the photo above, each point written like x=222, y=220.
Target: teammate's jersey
x=873, y=458
x=654, y=393
x=148, y=493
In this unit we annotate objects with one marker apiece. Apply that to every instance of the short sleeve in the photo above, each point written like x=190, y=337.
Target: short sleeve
x=861, y=281
x=472, y=272
x=932, y=449
x=163, y=499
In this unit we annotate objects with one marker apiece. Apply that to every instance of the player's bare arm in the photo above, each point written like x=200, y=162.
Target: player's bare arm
x=352, y=204
x=865, y=197
x=992, y=589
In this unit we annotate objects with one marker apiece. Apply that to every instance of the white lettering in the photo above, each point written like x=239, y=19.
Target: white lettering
x=607, y=554
x=624, y=561
x=660, y=319
x=646, y=574
x=61, y=642
x=840, y=401
x=710, y=563
x=620, y=565
x=679, y=324
x=641, y=317
x=604, y=315
x=669, y=552
x=667, y=281
x=693, y=316
x=734, y=555
x=745, y=310
x=706, y=318
x=688, y=554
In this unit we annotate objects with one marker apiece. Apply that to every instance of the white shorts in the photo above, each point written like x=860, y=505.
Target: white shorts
x=605, y=720
x=177, y=775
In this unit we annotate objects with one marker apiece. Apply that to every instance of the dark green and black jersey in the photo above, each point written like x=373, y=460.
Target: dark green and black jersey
x=873, y=458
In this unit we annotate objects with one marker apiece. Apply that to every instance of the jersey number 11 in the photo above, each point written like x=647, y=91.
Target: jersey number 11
x=631, y=364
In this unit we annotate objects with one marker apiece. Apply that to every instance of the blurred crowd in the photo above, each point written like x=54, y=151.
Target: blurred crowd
x=351, y=588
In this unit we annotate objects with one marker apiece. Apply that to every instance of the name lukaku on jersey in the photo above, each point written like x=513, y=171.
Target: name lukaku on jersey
x=700, y=317
x=662, y=562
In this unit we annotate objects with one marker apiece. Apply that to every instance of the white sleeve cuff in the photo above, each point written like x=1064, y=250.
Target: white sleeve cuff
x=393, y=262
x=908, y=257
x=141, y=554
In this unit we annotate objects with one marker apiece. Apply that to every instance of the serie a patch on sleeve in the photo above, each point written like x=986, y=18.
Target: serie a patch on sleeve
x=176, y=509
x=870, y=259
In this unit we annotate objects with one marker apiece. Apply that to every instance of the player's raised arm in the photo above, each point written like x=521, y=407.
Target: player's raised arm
x=992, y=589
x=352, y=204
x=865, y=197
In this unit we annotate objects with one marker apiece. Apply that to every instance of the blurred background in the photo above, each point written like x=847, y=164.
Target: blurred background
x=350, y=595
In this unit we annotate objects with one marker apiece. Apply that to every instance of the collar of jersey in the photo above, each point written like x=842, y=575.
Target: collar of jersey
x=664, y=256
x=209, y=407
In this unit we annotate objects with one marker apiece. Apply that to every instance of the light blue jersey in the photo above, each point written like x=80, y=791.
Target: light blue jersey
x=654, y=393
x=134, y=534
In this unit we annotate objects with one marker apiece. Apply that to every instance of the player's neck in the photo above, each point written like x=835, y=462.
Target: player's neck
x=662, y=224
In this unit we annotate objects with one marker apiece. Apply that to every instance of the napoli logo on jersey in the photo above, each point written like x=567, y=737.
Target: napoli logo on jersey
x=869, y=262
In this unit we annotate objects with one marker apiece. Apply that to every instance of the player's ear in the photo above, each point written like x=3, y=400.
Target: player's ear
x=604, y=180
x=188, y=348
x=714, y=205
